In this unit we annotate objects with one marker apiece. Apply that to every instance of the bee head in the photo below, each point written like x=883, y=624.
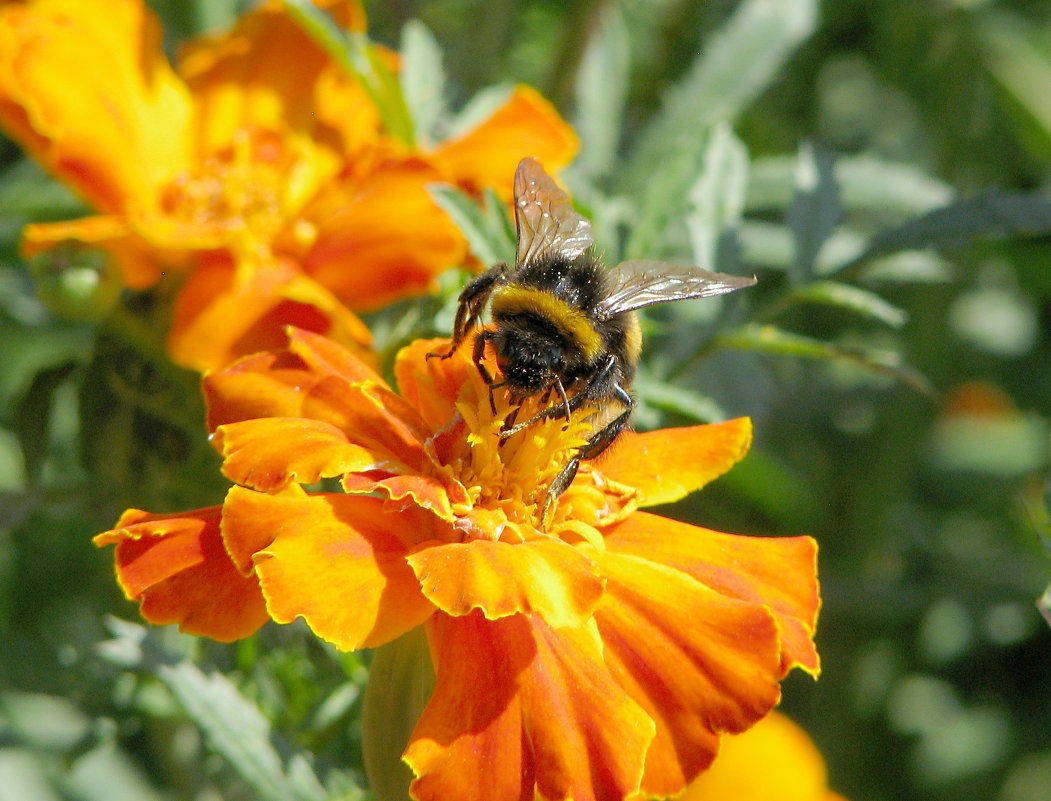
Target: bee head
x=528, y=359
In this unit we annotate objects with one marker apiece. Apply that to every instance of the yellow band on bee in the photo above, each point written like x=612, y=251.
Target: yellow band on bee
x=571, y=322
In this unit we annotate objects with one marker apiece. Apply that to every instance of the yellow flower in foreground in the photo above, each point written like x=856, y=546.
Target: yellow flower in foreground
x=596, y=658
x=256, y=166
x=775, y=760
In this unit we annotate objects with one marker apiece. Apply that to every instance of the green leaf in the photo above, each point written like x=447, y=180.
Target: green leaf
x=238, y=731
x=736, y=66
x=1021, y=62
x=772, y=340
x=422, y=78
x=483, y=232
x=815, y=209
x=717, y=197
x=358, y=56
x=601, y=91
x=866, y=183
x=401, y=680
x=843, y=296
x=988, y=215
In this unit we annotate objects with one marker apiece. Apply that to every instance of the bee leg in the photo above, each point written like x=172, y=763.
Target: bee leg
x=570, y=405
x=565, y=401
x=599, y=441
x=472, y=302
x=477, y=356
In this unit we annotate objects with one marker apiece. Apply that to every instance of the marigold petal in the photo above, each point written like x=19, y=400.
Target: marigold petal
x=268, y=453
x=780, y=572
x=469, y=744
x=717, y=673
x=382, y=237
x=579, y=735
x=223, y=313
x=175, y=566
x=85, y=88
x=432, y=385
x=426, y=492
x=548, y=577
x=669, y=464
x=338, y=561
x=486, y=156
x=259, y=74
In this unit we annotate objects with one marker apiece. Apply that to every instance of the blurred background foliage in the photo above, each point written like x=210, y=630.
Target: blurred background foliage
x=881, y=166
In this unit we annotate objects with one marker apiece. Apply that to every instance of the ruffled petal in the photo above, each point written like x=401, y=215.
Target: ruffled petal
x=338, y=561
x=381, y=237
x=698, y=662
x=176, y=567
x=316, y=379
x=487, y=156
x=548, y=577
x=780, y=572
x=533, y=713
x=669, y=464
x=268, y=453
x=85, y=88
x=223, y=313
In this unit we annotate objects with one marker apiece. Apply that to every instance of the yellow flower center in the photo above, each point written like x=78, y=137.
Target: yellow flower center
x=244, y=196
x=508, y=477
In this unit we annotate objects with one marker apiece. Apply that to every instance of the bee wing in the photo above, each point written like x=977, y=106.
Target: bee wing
x=635, y=284
x=544, y=217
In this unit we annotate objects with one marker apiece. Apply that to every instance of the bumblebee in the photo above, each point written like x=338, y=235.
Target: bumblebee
x=563, y=323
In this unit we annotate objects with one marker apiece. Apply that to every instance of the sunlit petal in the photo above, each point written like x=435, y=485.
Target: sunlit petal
x=548, y=577
x=777, y=571
x=85, y=88
x=669, y=464
x=334, y=560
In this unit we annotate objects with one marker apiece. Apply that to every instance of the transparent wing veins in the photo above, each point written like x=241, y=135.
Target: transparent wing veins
x=639, y=283
x=544, y=217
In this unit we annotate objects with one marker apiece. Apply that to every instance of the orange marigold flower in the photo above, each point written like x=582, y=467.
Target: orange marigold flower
x=257, y=166
x=792, y=767
x=599, y=656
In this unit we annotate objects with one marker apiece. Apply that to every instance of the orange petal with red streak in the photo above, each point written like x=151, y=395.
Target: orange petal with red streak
x=487, y=156
x=698, y=662
x=176, y=567
x=780, y=572
x=548, y=577
x=338, y=561
x=669, y=464
x=533, y=713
